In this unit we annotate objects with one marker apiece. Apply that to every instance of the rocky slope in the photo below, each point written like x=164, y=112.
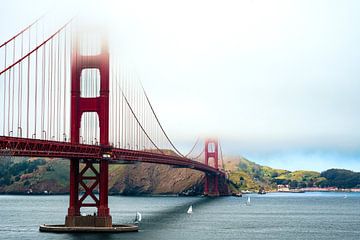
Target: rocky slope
x=132, y=179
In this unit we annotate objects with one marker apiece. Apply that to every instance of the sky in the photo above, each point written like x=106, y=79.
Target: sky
x=276, y=81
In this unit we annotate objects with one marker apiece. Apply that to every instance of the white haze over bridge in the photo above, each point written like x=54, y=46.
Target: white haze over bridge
x=277, y=81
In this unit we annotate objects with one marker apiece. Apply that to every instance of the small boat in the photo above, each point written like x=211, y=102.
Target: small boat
x=345, y=196
x=261, y=191
x=238, y=194
x=189, y=211
x=137, y=217
x=248, y=201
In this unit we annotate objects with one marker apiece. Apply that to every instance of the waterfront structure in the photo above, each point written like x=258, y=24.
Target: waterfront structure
x=124, y=127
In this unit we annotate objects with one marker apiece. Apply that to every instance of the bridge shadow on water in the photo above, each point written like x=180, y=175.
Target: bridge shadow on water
x=154, y=223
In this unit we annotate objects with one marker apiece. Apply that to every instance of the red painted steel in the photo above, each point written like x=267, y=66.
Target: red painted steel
x=211, y=185
x=26, y=147
x=100, y=105
x=51, y=149
x=89, y=190
x=74, y=209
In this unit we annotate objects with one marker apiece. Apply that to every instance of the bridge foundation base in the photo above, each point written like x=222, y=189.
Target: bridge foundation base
x=212, y=194
x=116, y=228
x=88, y=221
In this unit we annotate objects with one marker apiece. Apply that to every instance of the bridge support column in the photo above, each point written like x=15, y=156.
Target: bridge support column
x=103, y=210
x=211, y=187
x=74, y=209
x=89, y=178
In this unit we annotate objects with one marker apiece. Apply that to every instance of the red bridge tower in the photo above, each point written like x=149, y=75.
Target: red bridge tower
x=212, y=181
x=91, y=176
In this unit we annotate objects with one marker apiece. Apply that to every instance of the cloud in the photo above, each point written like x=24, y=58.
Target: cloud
x=316, y=160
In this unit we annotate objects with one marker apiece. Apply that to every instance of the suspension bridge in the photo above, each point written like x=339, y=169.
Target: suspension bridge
x=65, y=96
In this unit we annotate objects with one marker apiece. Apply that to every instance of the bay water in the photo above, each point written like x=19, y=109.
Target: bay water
x=271, y=216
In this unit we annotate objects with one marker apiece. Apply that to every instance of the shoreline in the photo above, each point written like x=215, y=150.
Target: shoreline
x=177, y=195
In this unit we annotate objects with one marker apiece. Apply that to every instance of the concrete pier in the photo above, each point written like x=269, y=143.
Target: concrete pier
x=116, y=228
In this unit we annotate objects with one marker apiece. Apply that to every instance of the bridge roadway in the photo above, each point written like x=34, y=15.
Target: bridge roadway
x=27, y=147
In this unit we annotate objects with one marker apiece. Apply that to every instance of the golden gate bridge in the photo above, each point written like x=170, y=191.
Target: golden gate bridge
x=65, y=96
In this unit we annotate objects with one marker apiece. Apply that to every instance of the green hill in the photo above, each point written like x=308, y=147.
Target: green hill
x=19, y=175
x=340, y=178
x=248, y=175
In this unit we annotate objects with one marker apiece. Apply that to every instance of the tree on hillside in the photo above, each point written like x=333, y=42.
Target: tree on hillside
x=340, y=178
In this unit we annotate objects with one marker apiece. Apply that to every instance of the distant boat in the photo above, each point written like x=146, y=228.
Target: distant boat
x=238, y=194
x=189, y=211
x=137, y=217
x=261, y=191
x=345, y=196
x=248, y=201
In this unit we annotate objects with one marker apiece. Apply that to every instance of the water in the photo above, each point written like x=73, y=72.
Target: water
x=271, y=216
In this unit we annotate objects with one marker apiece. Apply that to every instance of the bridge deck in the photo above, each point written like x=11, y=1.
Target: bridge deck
x=25, y=147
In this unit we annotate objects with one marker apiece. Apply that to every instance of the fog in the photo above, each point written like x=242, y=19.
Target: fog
x=276, y=81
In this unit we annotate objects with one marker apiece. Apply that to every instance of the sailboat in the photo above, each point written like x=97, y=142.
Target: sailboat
x=248, y=201
x=137, y=217
x=189, y=211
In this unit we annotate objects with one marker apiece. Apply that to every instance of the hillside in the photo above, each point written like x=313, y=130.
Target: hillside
x=38, y=175
x=251, y=176
x=340, y=178
x=41, y=175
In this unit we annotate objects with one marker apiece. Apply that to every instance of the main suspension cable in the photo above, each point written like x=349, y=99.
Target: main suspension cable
x=192, y=149
x=137, y=120
x=36, y=48
x=157, y=119
x=22, y=31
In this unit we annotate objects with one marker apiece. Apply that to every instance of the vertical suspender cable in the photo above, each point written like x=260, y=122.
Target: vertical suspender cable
x=28, y=93
x=48, y=119
x=13, y=91
x=125, y=111
x=64, y=112
x=43, y=91
x=123, y=129
x=58, y=99
x=36, y=83
x=115, y=98
x=4, y=132
x=51, y=91
x=42, y=112
x=132, y=97
x=27, y=98
x=137, y=127
x=9, y=97
x=19, y=93
x=129, y=96
x=20, y=86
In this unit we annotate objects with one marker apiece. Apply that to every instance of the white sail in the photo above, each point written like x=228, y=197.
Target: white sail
x=248, y=201
x=137, y=217
x=189, y=211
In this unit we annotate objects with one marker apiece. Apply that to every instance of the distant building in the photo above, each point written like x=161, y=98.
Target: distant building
x=283, y=188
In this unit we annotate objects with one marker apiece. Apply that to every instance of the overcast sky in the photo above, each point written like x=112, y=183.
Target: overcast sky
x=277, y=81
